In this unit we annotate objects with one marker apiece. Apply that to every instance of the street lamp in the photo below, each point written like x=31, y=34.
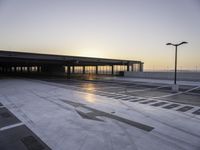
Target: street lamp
x=176, y=45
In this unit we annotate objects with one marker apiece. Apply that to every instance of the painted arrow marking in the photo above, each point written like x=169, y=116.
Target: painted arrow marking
x=91, y=113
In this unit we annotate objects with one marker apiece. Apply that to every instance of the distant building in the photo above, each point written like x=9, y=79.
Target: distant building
x=23, y=62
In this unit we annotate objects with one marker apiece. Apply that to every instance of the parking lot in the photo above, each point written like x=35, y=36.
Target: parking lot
x=56, y=113
x=155, y=95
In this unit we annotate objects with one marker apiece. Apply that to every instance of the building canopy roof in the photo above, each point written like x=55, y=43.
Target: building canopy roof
x=25, y=58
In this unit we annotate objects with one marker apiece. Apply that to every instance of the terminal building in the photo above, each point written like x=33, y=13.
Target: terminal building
x=12, y=62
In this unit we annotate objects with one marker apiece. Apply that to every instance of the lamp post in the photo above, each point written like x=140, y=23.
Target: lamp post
x=176, y=45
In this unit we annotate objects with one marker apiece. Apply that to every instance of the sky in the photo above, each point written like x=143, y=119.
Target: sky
x=122, y=29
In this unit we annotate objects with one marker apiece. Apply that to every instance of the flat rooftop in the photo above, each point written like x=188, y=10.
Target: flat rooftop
x=13, y=57
x=106, y=114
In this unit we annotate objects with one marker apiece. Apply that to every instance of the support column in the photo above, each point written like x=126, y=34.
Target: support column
x=15, y=69
x=112, y=69
x=128, y=67
x=132, y=68
x=28, y=69
x=39, y=69
x=7, y=69
x=141, y=67
x=4, y=69
x=68, y=71
x=73, y=69
x=83, y=69
x=96, y=69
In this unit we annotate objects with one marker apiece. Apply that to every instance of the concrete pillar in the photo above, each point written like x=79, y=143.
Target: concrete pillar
x=83, y=69
x=15, y=69
x=96, y=69
x=39, y=68
x=112, y=69
x=141, y=67
x=73, y=69
x=28, y=69
x=128, y=67
x=132, y=68
x=68, y=71
x=7, y=69
x=4, y=69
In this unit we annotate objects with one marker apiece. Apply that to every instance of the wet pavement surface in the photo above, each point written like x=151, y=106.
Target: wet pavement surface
x=126, y=90
x=7, y=118
x=81, y=114
x=21, y=138
x=16, y=136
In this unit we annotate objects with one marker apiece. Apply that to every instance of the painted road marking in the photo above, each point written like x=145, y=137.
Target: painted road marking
x=11, y=126
x=171, y=106
x=95, y=113
x=7, y=118
x=185, y=108
x=169, y=95
x=159, y=104
x=138, y=100
x=197, y=112
x=149, y=101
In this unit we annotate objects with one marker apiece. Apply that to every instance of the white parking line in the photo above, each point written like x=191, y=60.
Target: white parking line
x=11, y=126
x=146, y=89
x=169, y=95
x=2, y=106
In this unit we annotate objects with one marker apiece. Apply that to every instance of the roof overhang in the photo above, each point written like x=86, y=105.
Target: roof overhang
x=25, y=58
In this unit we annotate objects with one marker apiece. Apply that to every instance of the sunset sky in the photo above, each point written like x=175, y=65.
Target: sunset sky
x=124, y=29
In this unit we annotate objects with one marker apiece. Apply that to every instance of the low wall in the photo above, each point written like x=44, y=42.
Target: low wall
x=184, y=76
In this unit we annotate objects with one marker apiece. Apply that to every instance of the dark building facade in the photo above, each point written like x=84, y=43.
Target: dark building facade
x=23, y=62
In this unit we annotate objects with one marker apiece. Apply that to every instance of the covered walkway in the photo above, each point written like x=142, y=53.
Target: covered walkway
x=21, y=62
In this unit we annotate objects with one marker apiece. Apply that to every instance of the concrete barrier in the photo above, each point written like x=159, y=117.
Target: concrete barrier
x=181, y=76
